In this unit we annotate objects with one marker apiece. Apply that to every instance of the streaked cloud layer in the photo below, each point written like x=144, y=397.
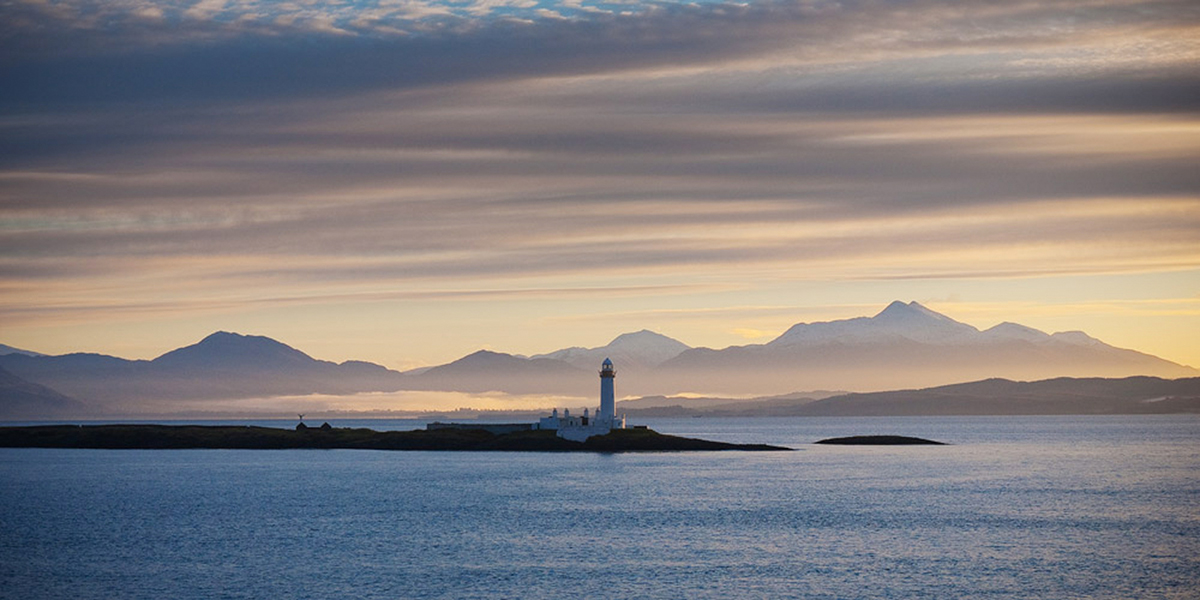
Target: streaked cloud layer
x=406, y=181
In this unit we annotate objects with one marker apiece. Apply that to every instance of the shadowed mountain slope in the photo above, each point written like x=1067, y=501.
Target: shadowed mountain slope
x=20, y=399
x=485, y=371
x=221, y=366
x=224, y=351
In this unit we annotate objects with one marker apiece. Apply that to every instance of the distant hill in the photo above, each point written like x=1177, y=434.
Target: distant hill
x=486, y=371
x=20, y=399
x=637, y=356
x=567, y=371
x=221, y=366
x=231, y=352
x=633, y=351
x=1060, y=396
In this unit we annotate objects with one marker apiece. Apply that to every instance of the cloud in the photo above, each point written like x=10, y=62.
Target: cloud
x=993, y=52
x=65, y=307
x=180, y=156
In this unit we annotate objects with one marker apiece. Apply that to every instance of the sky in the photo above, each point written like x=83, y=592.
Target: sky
x=408, y=181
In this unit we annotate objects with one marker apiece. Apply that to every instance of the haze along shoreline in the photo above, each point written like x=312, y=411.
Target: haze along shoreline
x=602, y=431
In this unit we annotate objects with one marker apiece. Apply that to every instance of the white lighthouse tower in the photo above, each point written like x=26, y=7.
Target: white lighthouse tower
x=605, y=420
x=608, y=402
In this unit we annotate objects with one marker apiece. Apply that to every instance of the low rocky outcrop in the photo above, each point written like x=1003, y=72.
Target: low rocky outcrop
x=879, y=440
x=151, y=437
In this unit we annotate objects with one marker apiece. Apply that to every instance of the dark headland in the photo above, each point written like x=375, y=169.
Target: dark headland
x=879, y=440
x=162, y=437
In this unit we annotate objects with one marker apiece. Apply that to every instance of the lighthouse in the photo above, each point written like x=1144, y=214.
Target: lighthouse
x=579, y=429
x=608, y=404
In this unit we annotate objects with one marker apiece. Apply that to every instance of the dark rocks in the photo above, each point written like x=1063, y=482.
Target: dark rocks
x=879, y=440
x=151, y=437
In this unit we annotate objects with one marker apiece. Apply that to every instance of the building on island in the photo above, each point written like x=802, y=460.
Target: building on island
x=605, y=419
x=576, y=429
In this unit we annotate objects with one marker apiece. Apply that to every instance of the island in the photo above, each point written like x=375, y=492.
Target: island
x=602, y=431
x=164, y=437
x=879, y=440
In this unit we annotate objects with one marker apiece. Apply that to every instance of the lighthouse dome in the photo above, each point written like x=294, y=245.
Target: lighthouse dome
x=606, y=363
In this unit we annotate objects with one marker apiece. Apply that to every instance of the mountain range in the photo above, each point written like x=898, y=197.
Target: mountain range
x=221, y=366
x=906, y=345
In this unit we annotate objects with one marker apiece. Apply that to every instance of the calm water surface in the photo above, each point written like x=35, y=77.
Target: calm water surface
x=1018, y=507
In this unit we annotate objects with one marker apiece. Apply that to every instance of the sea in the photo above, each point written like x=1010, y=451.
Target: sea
x=1014, y=507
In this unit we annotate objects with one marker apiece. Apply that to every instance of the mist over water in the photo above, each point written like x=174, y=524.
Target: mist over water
x=368, y=403
x=1018, y=507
